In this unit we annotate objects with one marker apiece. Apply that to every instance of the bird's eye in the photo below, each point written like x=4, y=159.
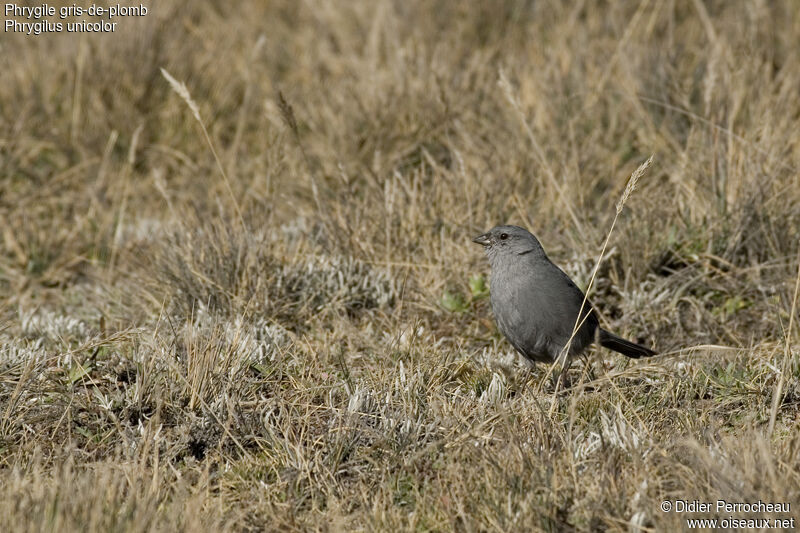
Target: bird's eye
x=503, y=236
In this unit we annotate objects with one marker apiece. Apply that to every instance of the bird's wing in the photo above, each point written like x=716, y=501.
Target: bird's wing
x=560, y=301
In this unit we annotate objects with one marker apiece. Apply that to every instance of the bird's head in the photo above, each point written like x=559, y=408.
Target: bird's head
x=502, y=241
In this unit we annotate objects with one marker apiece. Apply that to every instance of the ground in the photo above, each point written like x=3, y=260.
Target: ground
x=238, y=292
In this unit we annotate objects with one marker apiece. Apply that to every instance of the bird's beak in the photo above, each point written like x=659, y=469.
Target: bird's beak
x=483, y=240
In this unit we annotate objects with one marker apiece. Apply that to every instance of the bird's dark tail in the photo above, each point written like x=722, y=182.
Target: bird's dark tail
x=627, y=348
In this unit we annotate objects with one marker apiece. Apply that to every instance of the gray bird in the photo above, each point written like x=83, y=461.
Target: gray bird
x=535, y=303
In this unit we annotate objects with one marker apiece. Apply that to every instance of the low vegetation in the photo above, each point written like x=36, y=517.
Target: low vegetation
x=239, y=293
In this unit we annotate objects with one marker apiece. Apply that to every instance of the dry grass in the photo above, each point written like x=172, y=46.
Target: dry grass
x=264, y=312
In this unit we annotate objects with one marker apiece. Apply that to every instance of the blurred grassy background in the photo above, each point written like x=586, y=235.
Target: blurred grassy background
x=297, y=335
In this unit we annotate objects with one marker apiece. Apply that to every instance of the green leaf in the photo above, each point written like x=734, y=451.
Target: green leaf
x=77, y=372
x=477, y=285
x=453, y=302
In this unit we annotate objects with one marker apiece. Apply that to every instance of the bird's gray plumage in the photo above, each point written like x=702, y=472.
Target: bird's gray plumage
x=536, y=304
